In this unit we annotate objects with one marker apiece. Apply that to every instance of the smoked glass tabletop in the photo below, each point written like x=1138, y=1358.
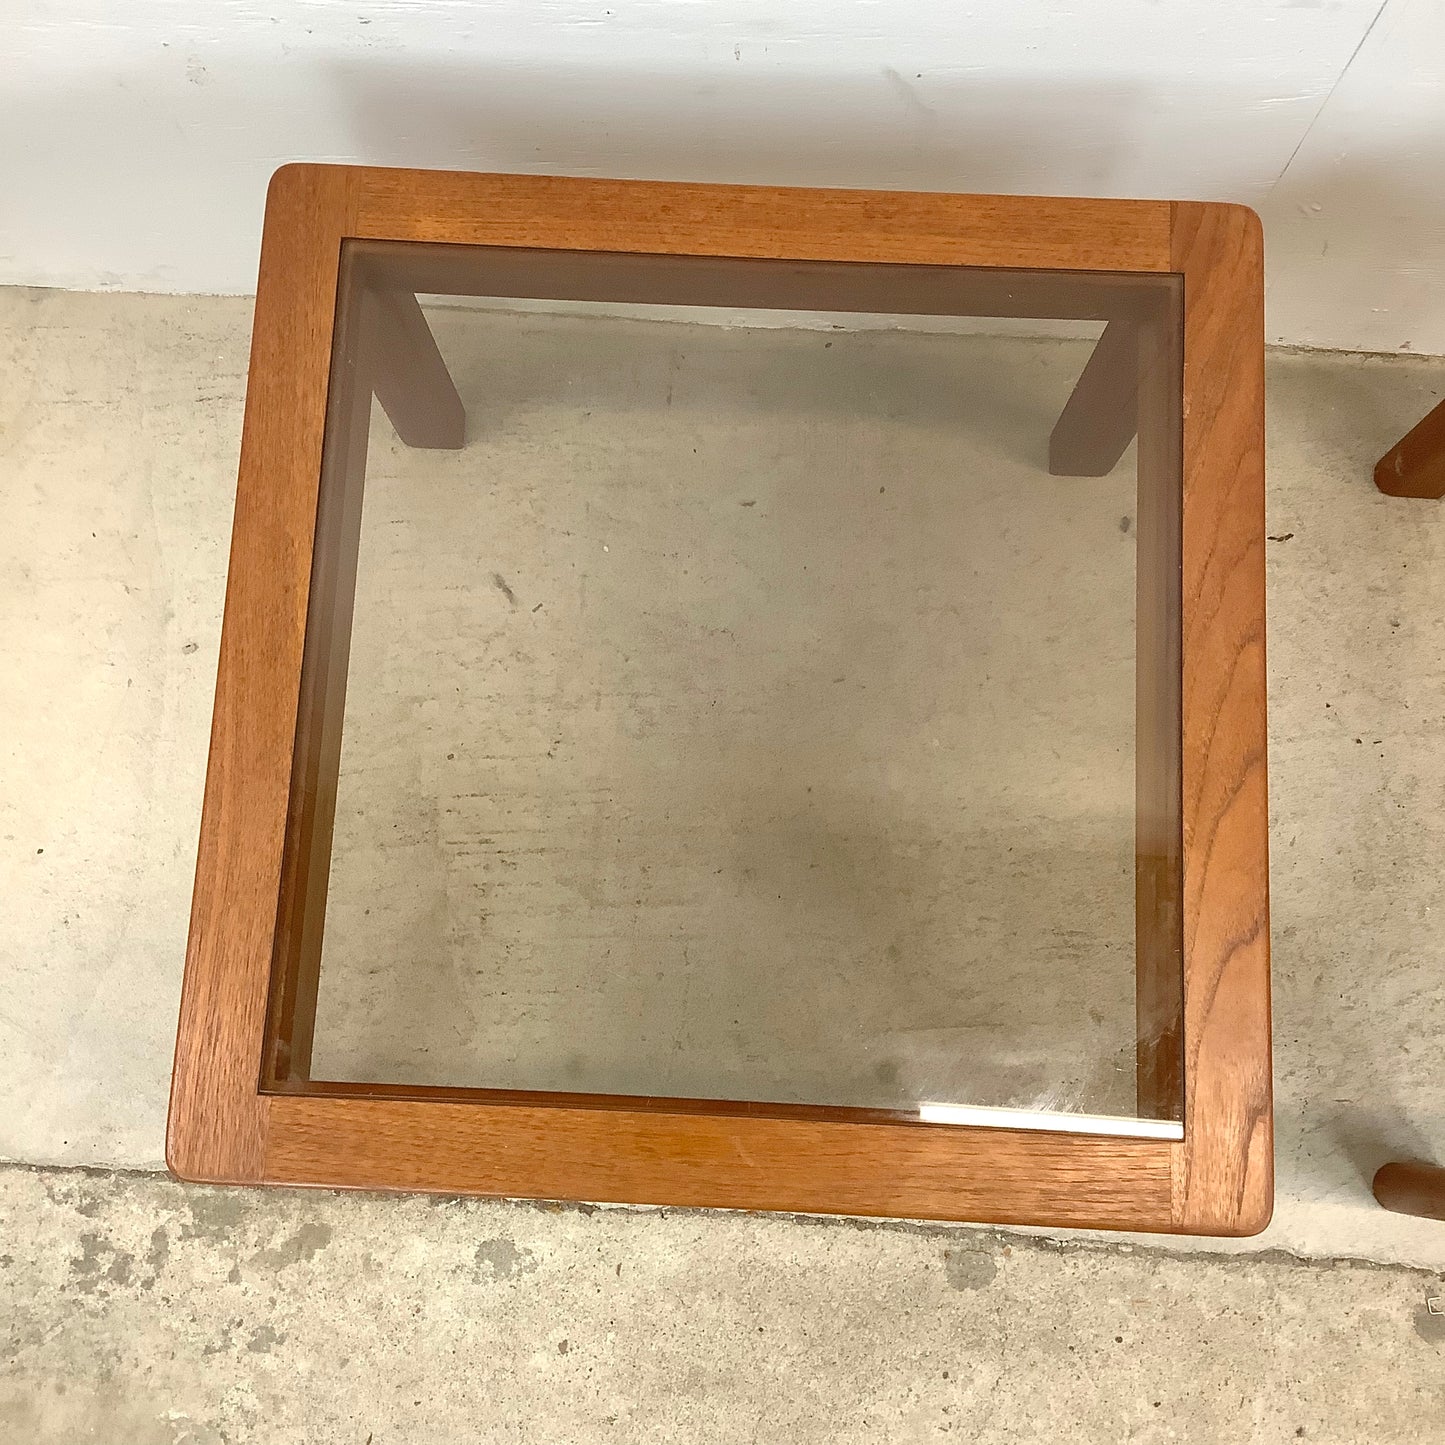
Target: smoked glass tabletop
x=740, y=706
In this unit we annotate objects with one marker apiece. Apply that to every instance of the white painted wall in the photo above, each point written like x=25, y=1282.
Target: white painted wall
x=136, y=138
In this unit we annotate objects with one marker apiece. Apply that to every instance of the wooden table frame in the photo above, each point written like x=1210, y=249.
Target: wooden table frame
x=243, y=1107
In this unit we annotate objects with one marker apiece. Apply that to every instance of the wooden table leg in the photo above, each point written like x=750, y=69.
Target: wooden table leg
x=1102, y=414
x=1415, y=465
x=1157, y=364
x=412, y=382
x=1412, y=1189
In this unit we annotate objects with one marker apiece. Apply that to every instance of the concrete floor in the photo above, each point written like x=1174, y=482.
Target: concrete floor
x=141, y=1311
x=119, y=420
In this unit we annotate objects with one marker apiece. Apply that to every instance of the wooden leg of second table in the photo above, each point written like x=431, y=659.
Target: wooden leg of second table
x=1415, y=465
x=1412, y=1189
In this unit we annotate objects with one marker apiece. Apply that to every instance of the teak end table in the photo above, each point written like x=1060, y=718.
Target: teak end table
x=1178, y=287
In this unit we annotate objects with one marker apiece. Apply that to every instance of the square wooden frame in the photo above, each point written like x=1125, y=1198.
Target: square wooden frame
x=226, y=1127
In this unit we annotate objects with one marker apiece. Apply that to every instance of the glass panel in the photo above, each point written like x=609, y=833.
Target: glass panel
x=745, y=711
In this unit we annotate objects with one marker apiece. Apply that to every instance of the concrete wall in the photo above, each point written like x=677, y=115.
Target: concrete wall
x=139, y=138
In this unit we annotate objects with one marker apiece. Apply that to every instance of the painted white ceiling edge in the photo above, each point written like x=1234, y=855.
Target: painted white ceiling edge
x=136, y=151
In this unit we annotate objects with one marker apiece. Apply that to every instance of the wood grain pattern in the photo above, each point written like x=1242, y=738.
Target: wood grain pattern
x=574, y=213
x=1225, y=1183
x=223, y=1127
x=216, y=1128
x=1415, y=465
x=915, y=1170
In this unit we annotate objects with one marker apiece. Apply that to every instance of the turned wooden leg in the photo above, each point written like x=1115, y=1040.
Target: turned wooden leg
x=1102, y=415
x=1155, y=369
x=1412, y=1189
x=1415, y=465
